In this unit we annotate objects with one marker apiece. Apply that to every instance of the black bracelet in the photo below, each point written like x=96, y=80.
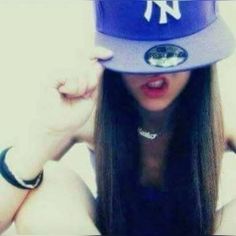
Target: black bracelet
x=15, y=180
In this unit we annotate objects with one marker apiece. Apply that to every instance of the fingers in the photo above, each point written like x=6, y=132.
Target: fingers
x=82, y=78
x=100, y=53
x=88, y=76
x=82, y=85
x=73, y=87
x=96, y=54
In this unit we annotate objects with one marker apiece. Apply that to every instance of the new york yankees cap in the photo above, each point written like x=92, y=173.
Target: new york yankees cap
x=157, y=36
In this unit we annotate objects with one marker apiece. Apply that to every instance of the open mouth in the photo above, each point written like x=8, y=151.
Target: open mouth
x=155, y=87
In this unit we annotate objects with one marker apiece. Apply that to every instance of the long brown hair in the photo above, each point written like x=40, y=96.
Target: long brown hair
x=193, y=160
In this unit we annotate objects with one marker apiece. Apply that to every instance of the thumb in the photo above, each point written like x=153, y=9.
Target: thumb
x=73, y=87
x=100, y=53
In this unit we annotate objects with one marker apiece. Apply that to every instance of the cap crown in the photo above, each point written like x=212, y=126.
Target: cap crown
x=153, y=19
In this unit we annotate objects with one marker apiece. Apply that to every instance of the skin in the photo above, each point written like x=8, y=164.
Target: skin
x=177, y=82
x=156, y=113
x=64, y=196
x=50, y=133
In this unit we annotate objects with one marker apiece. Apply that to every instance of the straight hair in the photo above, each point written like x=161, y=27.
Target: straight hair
x=193, y=159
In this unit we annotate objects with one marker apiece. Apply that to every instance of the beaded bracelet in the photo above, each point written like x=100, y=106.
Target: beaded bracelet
x=13, y=178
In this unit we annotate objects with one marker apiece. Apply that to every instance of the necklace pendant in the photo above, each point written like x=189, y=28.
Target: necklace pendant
x=147, y=134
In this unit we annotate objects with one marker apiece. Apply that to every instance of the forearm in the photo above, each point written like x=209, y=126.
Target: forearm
x=26, y=159
x=86, y=133
x=29, y=154
x=11, y=198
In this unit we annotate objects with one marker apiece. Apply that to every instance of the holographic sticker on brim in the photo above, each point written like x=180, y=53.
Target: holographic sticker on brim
x=165, y=55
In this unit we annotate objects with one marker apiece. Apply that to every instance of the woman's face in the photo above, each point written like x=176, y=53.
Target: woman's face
x=155, y=92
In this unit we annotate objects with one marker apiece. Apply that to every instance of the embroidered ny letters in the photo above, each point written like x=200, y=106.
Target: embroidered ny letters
x=165, y=9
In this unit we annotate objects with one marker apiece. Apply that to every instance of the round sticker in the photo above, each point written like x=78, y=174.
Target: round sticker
x=165, y=55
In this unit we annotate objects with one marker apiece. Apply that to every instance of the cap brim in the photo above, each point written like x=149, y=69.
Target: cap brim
x=205, y=47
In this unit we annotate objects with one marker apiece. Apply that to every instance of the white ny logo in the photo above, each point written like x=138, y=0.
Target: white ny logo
x=164, y=8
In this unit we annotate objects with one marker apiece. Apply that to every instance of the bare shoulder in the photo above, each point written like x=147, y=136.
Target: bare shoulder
x=61, y=205
x=227, y=219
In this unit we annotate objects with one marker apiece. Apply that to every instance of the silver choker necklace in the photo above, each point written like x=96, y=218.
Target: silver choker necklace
x=149, y=135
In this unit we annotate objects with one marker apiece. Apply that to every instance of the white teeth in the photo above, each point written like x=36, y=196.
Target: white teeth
x=156, y=84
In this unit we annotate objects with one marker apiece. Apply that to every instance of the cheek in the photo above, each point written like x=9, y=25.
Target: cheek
x=132, y=85
x=178, y=83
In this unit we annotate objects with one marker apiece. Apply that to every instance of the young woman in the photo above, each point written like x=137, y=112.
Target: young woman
x=158, y=131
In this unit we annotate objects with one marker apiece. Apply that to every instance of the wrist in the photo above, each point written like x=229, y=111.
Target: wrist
x=30, y=153
x=13, y=178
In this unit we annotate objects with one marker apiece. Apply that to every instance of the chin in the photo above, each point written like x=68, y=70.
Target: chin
x=154, y=107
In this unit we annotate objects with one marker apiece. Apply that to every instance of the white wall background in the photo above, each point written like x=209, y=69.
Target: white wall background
x=37, y=36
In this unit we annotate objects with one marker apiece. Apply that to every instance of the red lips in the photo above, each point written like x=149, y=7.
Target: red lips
x=156, y=87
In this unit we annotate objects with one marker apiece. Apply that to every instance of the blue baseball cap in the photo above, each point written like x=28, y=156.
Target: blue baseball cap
x=157, y=36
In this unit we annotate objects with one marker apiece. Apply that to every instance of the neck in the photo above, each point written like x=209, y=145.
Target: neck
x=156, y=121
